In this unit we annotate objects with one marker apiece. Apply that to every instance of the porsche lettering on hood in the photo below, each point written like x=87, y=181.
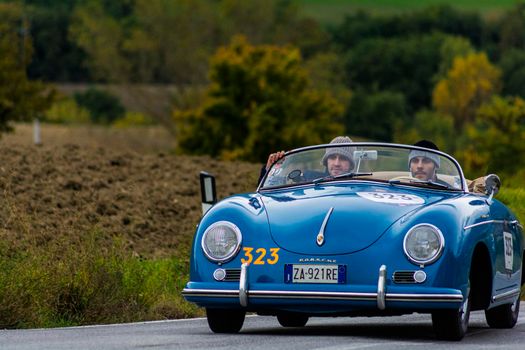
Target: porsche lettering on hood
x=355, y=222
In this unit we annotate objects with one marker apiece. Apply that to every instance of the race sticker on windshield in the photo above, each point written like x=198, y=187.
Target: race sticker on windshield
x=392, y=198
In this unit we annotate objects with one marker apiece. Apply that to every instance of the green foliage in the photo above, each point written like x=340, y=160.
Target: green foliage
x=442, y=18
x=494, y=143
x=512, y=28
x=429, y=125
x=512, y=64
x=67, y=111
x=375, y=115
x=329, y=12
x=451, y=48
x=100, y=36
x=259, y=101
x=514, y=197
x=325, y=73
x=102, y=106
x=55, y=56
x=170, y=41
x=20, y=99
x=88, y=281
x=470, y=82
x=405, y=65
x=133, y=119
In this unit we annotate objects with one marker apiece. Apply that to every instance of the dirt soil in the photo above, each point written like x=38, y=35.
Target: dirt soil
x=150, y=199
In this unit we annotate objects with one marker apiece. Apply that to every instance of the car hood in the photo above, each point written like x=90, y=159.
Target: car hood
x=360, y=215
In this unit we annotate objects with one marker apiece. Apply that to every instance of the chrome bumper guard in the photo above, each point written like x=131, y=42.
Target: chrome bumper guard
x=381, y=288
x=380, y=297
x=243, y=286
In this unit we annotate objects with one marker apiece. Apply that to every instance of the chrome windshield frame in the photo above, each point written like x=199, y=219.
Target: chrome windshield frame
x=366, y=144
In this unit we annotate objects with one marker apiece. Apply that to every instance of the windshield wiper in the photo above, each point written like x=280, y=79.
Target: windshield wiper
x=418, y=181
x=334, y=177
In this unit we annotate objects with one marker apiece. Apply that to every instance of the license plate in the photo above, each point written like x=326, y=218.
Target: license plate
x=306, y=273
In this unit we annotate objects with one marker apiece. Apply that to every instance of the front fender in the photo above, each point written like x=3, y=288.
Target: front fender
x=246, y=211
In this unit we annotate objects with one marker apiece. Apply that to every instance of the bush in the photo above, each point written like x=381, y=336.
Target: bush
x=103, y=106
x=66, y=111
x=133, y=119
x=88, y=281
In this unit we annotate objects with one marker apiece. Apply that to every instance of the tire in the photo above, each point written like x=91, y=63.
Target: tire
x=225, y=320
x=504, y=316
x=292, y=320
x=452, y=324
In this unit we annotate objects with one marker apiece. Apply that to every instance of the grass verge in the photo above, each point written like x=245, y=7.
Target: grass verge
x=68, y=283
x=514, y=198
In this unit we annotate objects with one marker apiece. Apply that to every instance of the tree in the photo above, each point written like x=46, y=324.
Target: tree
x=259, y=101
x=405, y=65
x=470, y=82
x=428, y=125
x=20, y=99
x=441, y=18
x=451, y=48
x=494, y=143
x=101, y=36
x=55, y=57
x=375, y=115
x=512, y=64
x=171, y=41
x=512, y=28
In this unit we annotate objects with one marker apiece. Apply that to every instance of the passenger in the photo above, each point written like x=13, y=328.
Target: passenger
x=424, y=165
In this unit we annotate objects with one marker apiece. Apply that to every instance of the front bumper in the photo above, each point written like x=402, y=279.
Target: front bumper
x=264, y=295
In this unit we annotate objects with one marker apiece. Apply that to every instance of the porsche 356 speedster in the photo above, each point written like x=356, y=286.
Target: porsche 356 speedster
x=372, y=237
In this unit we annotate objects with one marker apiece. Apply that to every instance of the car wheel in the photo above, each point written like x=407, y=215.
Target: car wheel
x=292, y=320
x=452, y=324
x=504, y=316
x=225, y=320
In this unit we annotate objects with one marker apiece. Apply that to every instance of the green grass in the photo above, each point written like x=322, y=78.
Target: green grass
x=333, y=11
x=67, y=283
x=515, y=199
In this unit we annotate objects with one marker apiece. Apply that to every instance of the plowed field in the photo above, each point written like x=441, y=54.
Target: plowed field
x=89, y=181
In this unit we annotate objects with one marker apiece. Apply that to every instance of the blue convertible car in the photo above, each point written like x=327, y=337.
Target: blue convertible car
x=390, y=230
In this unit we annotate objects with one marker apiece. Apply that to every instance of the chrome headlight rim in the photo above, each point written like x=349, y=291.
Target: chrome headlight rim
x=234, y=252
x=433, y=258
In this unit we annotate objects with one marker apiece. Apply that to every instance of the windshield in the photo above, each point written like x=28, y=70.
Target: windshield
x=393, y=164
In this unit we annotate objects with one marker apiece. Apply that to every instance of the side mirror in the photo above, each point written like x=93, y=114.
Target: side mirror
x=208, y=192
x=492, y=185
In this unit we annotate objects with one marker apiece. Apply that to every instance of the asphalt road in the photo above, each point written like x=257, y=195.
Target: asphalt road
x=403, y=332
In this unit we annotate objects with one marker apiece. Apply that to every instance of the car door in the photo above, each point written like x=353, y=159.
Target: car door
x=507, y=251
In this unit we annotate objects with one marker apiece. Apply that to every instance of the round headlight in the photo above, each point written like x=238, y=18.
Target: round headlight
x=423, y=244
x=221, y=241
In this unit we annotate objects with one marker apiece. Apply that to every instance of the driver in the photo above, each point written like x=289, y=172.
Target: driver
x=337, y=160
x=423, y=165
